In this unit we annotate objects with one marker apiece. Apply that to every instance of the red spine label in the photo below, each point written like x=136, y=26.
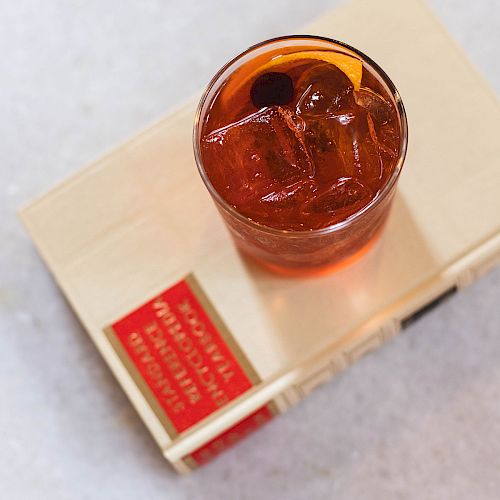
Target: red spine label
x=236, y=433
x=181, y=356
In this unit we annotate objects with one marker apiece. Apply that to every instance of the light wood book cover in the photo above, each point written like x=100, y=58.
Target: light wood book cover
x=139, y=219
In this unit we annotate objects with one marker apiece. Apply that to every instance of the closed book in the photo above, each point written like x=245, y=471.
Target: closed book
x=208, y=345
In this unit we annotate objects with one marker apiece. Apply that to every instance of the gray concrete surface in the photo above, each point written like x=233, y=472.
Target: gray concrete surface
x=419, y=419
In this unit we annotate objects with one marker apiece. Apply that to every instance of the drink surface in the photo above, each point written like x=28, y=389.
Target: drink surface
x=297, y=142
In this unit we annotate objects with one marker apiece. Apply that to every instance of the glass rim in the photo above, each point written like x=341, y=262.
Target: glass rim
x=338, y=225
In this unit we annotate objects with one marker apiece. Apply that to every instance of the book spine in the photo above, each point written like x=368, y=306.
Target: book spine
x=400, y=315
x=289, y=388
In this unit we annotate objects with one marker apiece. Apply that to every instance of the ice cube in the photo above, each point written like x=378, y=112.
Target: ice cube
x=344, y=145
x=323, y=90
x=388, y=140
x=249, y=158
x=281, y=206
x=358, y=146
x=336, y=126
x=380, y=109
x=322, y=139
x=292, y=195
x=347, y=194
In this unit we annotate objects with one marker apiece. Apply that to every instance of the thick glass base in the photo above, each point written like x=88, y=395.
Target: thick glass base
x=316, y=271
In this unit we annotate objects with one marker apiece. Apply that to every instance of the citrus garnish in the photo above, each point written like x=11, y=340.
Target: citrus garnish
x=352, y=67
x=349, y=65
